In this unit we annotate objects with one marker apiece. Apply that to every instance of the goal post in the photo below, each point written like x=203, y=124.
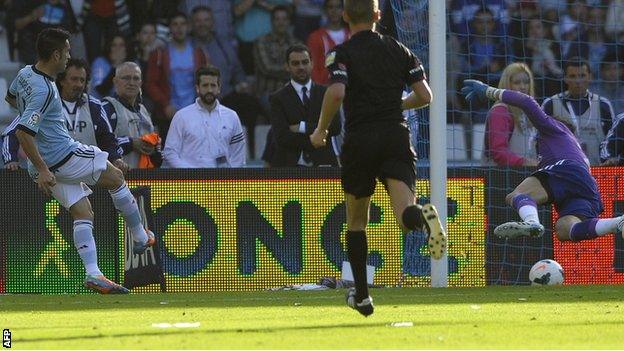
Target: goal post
x=437, y=127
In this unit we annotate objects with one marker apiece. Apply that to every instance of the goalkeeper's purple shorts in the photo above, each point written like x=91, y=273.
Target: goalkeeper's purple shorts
x=571, y=188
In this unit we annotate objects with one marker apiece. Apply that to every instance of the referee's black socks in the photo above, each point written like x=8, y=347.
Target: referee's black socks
x=357, y=250
x=412, y=217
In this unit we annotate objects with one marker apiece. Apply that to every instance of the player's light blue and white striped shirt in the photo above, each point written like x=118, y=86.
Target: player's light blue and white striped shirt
x=41, y=115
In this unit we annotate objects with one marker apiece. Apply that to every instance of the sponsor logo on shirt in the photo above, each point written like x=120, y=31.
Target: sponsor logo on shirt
x=34, y=119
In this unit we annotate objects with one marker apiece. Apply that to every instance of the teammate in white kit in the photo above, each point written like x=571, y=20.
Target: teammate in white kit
x=62, y=166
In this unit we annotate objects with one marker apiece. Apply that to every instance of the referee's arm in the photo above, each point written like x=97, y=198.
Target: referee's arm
x=332, y=100
x=419, y=97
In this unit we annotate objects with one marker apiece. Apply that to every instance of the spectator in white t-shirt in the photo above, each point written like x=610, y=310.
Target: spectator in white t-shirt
x=205, y=134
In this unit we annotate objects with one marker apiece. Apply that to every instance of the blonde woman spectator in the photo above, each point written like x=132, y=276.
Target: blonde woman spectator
x=508, y=132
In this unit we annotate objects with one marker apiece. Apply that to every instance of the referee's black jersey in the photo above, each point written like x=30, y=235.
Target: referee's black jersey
x=375, y=69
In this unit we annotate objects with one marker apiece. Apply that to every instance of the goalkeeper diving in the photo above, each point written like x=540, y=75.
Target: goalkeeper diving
x=563, y=177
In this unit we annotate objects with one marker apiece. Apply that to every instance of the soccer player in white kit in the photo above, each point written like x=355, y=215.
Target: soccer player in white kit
x=62, y=166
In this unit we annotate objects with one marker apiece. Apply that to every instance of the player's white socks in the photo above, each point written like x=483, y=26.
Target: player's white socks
x=126, y=204
x=528, y=214
x=85, y=244
x=607, y=225
x=526, y=207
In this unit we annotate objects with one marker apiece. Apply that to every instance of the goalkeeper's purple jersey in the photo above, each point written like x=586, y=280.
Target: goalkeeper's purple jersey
x=555, y=142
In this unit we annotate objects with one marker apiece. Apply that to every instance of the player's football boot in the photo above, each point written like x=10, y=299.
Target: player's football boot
x=365, y=307
x=103, y=285
x=437, y=241
x=140, y=248
x=516, y=229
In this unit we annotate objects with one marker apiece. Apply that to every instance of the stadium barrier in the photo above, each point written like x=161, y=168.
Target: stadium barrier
x=253, y=229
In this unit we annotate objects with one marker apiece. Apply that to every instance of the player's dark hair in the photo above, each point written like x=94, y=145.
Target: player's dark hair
x=360, y=11
x=50, y=40
x=74, y=62
x=576, y=61
x=296, y=48
x=208, y=70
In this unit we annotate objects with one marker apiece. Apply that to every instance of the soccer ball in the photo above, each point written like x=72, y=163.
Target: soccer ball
x=546, y=272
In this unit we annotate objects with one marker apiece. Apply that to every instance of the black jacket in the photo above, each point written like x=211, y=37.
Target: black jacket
x=287, y=109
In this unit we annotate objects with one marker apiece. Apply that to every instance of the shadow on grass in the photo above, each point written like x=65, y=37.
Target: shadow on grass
x=175, y=332
x=387, y=297
x=242, y=331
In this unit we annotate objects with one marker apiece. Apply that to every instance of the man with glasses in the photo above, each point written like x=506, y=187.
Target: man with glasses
x=128, y=117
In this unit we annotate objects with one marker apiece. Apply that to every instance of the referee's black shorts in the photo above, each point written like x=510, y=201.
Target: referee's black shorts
x=379, y=152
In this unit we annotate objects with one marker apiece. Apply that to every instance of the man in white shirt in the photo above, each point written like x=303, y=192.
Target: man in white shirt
x=205, y=134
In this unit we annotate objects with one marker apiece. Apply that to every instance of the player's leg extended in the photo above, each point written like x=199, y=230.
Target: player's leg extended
x=412, y=216
x=357, y=251
x=85, y=244
x=525, y=198
x=113, y=180
x=573, y=228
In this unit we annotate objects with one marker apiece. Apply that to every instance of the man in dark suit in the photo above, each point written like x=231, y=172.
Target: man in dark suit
x=295, y=109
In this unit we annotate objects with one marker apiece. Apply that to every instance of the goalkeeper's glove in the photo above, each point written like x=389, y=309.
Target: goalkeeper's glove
x=474, y=90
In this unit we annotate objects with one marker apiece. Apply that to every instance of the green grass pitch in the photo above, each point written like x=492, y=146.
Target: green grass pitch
x=568, y=317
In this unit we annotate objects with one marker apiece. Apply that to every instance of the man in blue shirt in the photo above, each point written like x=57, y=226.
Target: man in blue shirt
x=64, y=167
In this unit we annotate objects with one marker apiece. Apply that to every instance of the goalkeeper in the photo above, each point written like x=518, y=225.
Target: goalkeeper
x=563, y=177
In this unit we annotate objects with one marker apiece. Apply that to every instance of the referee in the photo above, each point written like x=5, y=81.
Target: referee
x=368, y=73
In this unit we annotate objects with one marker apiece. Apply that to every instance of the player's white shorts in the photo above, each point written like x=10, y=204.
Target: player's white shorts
x=84, y=167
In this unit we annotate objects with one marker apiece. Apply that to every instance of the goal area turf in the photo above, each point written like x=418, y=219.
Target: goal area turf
x=495, y=317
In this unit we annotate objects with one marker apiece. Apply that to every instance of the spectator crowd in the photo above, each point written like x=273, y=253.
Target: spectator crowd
x=215, y=83
x=183, y=83
x=565, y=53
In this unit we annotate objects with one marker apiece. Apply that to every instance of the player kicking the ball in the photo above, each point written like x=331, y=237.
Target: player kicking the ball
x=563, y=177
x=62, y=166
